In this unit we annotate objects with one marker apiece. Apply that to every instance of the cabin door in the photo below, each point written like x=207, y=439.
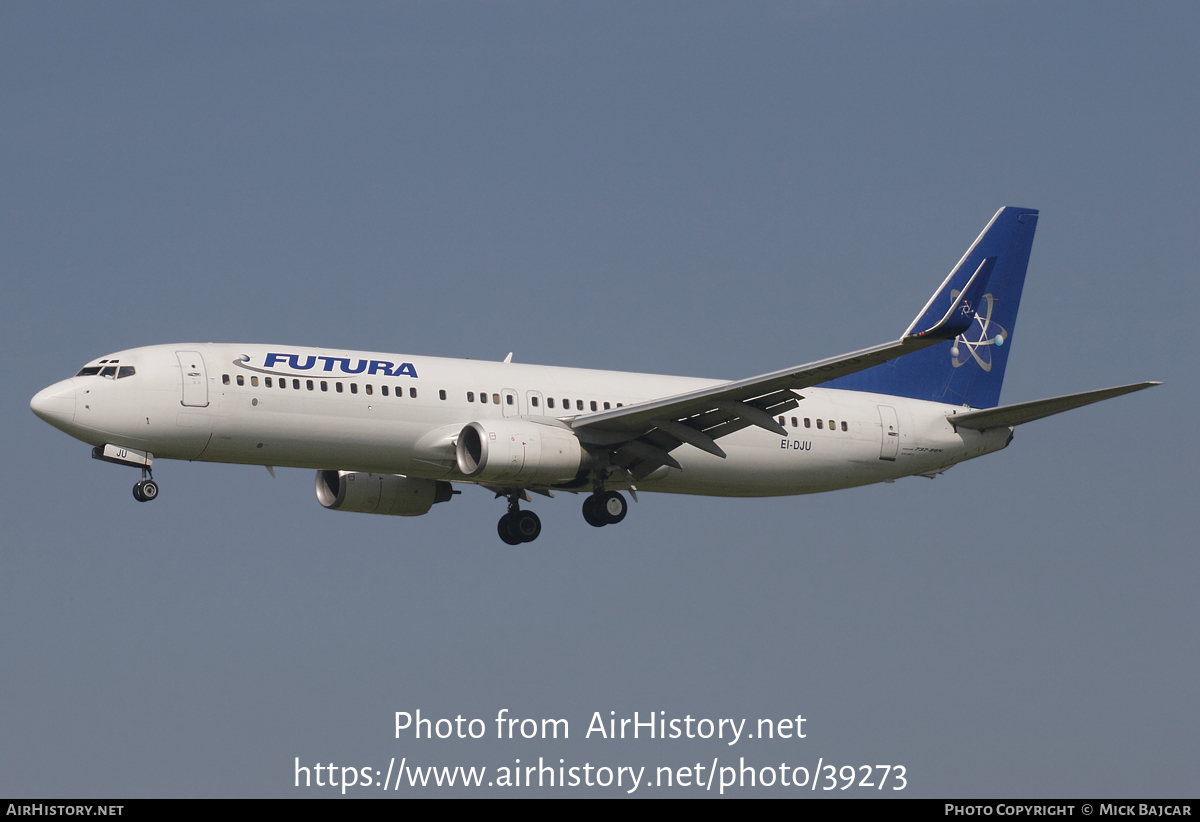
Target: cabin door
x=195, y=380
x=890, y=445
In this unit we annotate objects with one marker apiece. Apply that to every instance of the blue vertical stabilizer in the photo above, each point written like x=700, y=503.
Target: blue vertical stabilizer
x=969, y=369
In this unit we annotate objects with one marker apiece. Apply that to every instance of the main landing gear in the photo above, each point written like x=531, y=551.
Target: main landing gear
x=518, y=526
x=604, y=508
x=146, y=489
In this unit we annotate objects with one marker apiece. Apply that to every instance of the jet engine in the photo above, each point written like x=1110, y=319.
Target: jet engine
x=379, y=493
x=518, y=451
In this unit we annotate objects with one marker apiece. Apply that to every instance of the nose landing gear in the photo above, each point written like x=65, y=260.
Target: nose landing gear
x=146, y=489
x=604, y=508
x=518, y=526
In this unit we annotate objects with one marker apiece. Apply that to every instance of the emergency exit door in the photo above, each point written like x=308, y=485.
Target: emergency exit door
x=511, y=403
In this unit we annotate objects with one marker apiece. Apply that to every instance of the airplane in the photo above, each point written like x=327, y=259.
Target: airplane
x=391, y=434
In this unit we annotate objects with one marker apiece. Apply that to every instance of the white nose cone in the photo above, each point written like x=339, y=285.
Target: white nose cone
x=56, y=404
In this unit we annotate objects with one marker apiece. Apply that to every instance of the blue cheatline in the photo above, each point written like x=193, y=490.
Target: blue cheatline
x=968, y=370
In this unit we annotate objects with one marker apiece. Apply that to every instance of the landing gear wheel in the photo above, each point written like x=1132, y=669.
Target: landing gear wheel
x=145, y=490
x=611, y=507
x=526, y=526
x=502, y=528
x=592, y=514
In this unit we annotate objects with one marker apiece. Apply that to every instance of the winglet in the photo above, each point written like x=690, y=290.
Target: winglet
x=961, y=314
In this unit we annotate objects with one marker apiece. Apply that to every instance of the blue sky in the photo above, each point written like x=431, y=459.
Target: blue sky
x=706, y=189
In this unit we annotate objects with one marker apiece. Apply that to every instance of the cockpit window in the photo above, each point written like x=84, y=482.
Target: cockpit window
x=109, y=371
x=90, y=371
x=126, y=371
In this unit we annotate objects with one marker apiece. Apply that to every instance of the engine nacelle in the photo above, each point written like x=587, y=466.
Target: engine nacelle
x=379, y=493
x=518, y=451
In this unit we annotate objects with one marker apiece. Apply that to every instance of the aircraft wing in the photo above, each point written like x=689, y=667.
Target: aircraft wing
x=640, y=437
x=1022, y=412
x=763, y=392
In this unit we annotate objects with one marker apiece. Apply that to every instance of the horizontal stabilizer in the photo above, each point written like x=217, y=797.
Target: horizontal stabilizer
x=1022, y=412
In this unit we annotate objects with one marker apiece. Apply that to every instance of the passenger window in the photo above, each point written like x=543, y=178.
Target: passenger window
x=549, y=402
x=267, y=382
x=620, y=405
x=324, y=385
x=495, y=398
x=412, y=392
x=820, y=424
x=578, y=405
x=508, y=398
x=353, y=388
x=296, y=384
x=224, y=377
x=442, y=393
x=337, y=387
x=470, y=396
x=794, y=423
x=383, y=390
x=844, y=428
x=782, y=420
x=93, y=370
x=566, y=405
x=832, y=425
x=483, y=397
x=308, y=384
x=807, y=422
x=282, y=382
x=241, y=380
x=533, y=401
x=253, y=380
x=593, y=405
x=606, y=406
x=371, y=390
x=399, y=391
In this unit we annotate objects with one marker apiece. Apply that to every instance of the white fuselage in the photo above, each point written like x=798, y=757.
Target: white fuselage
x=345, y=410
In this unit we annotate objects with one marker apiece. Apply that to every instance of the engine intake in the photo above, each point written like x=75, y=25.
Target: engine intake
x=518, y=451
x=391, y=494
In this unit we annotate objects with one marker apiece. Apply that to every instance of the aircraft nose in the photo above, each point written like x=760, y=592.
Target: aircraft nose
x=56, y=404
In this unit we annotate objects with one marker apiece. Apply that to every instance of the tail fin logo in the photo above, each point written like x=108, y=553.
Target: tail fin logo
x=979, y=338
